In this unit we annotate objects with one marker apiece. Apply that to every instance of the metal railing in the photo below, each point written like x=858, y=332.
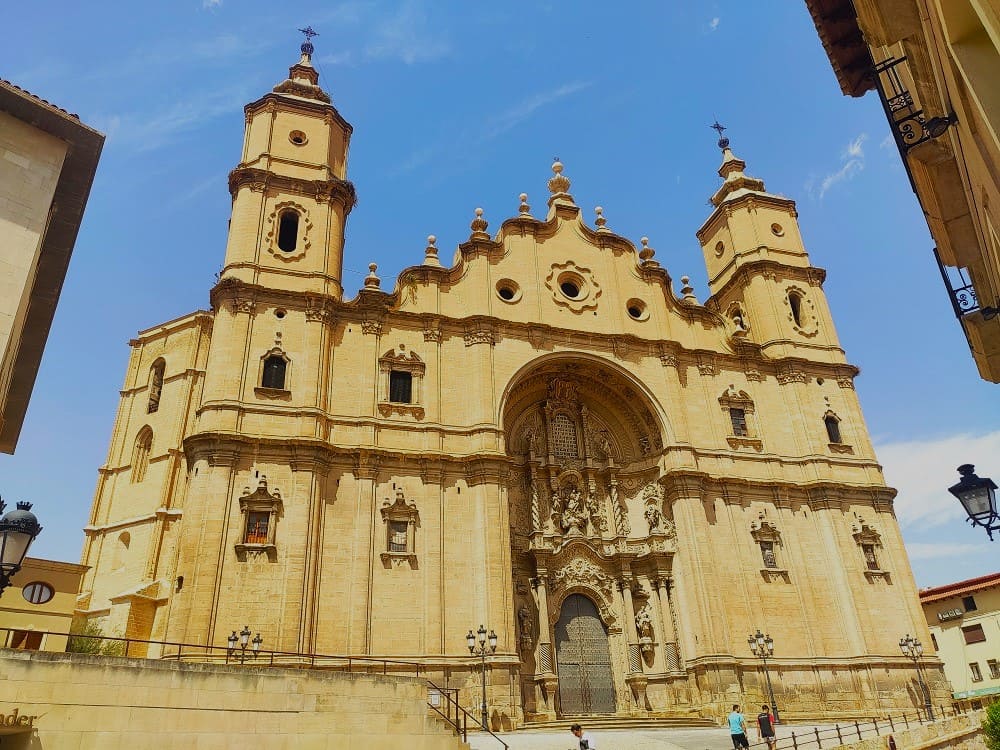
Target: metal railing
x=848, y=733
x=139, y=648
x=457, y=716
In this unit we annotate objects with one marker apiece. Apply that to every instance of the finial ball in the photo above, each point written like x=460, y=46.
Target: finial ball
x=598, y=210
x=644, y=241
x=479, y=212
x=685, y=280
x=373, y=267
x=431, y=239
x=557, y=167
x=523, y=197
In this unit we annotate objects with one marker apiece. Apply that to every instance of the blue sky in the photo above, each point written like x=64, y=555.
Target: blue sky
x=457, y=105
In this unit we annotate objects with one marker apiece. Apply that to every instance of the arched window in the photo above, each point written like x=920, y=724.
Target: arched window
x=155, y=385
x=795, y=302
x=274, y=372
x=832, y=428
x=288, y=231
x=140, y=454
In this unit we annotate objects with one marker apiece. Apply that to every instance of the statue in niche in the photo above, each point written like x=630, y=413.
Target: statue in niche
x=574, y=517
x=653, y=517
x=524, y=625
x=594, y=509
x=644, y=629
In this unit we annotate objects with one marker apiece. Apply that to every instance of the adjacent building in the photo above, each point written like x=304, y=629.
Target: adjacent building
x=47, y=163
x=542, y=437
x=36, y=610
x=964, y=620
x=935, y=65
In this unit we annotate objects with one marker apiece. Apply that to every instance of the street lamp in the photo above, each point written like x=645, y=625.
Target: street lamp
x=480, y=650
x=914, y=649
x=18, y=530
x=978, y=496
x=243, y=641
x=763, y=648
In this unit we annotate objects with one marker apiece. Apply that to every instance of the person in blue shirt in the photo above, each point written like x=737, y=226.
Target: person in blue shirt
x=738, y=728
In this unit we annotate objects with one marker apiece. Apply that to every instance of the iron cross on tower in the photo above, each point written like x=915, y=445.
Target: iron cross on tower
x=723, y=141
x=307, y=46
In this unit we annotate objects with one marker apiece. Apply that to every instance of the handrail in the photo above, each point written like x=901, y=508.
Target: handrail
x=460, y=722
x=855, y=731
x=226, y=655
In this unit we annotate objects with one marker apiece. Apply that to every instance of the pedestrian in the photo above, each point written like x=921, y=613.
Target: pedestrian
x=586, y=742
x=765, y=724
x=738, y=728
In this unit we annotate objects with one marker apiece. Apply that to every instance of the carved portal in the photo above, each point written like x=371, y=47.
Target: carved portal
x=586, y=510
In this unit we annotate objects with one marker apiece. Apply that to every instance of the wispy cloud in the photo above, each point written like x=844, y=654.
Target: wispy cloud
x=211, y=4
x=886, y=142
x=524, y=109
x=147, y=131
x=922, y=470
x=852, y=162
x=714, y=24
x=406, y=35
x=459, y=146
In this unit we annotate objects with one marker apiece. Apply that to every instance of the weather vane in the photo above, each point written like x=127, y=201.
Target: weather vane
x=723, y=141
x=307, y=46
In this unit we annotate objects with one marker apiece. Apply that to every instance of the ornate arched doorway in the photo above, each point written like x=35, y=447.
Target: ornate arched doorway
x=591, y=538
x=583, y=659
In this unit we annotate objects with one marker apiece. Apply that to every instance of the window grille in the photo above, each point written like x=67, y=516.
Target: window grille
x=400, y=387
x=257, y=523
x=398, y=536
x=767, y=552
x=274, y=372
x=739, y=419
x=870, y=558
x=564, y=437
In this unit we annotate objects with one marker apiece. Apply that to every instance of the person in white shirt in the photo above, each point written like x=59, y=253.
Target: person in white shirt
x=585, y=740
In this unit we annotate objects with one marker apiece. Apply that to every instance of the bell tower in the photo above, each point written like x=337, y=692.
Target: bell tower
x=759, y=273
x=290, y=194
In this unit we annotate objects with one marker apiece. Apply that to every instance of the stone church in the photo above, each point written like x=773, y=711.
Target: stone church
x=541, y=436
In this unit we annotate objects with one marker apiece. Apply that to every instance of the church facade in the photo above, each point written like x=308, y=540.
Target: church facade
x=543, y=437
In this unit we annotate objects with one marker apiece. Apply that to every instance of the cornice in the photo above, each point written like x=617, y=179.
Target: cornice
x=747, y=200
x=323, y=191
x=376, y=306
x=273, y=100
x=814, y=275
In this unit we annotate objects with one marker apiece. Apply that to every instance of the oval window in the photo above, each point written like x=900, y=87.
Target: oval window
x=38, y=592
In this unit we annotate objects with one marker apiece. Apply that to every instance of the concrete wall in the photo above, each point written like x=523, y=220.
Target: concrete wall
x=80, y=701
x=957, y=733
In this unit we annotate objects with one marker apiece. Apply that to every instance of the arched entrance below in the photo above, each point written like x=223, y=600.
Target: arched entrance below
x=583, y=660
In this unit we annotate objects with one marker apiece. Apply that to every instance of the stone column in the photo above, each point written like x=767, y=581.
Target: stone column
x=636, y=680
x=631, y=635
x=543, y=649
x=545, y=677
x=671, y=653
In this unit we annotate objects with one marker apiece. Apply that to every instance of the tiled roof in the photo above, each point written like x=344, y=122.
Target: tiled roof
x=959, y=588
x=38, y=98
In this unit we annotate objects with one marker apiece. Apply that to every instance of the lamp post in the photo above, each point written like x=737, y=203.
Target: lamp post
x=978, y=497
x=18, y=530
x=912, y=648
x=243, y=641
x=763, y=648
x=481, y=651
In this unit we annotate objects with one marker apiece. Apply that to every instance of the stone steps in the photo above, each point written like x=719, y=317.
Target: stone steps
x=622, y=722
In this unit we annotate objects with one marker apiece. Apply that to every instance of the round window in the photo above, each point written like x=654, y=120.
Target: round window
x=636, y=309
x=570, y=289
x=508, y=290
x=298, y=137
x=279, y=313
x=38, y=592
x=720, y=248
x=777, y=230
